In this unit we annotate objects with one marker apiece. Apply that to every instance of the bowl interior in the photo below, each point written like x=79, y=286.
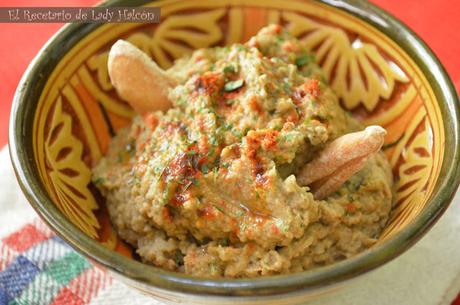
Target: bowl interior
x=78, y=110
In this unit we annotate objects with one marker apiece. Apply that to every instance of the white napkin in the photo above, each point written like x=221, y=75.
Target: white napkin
x=427, y=274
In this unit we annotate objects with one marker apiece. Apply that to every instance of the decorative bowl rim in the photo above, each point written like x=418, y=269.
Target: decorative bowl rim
x=21, y=154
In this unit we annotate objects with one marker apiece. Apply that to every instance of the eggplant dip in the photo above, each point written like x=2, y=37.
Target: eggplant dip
x=241, y=162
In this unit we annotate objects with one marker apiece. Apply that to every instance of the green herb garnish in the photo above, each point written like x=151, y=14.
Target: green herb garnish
x=204, y=168
x=219, y=208
x=289, y=137
x=233, y=85
x=120, y=157
x=237, y=133
x=180, y=102
x=195, y=181
x=179, y=258
x=302, y=60
x=98, y=180
x=211, y=152
x=229, y=69
x=223, y=242
x=228, y=126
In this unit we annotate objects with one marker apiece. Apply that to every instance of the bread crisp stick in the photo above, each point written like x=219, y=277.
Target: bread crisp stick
x=138, y=79
x=340, y=159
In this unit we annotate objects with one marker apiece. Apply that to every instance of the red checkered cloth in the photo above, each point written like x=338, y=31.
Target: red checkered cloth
x=37, y=267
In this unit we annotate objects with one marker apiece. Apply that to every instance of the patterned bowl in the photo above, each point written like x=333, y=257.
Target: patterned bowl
x=66, y=110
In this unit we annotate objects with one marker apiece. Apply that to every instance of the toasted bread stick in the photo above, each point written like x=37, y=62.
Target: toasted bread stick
x=340, y=159
x=138, y=79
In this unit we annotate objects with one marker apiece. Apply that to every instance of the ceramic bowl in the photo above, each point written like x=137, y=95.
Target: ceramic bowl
x=66, y=110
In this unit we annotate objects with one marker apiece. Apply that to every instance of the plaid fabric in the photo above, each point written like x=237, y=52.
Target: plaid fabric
x=38, y=268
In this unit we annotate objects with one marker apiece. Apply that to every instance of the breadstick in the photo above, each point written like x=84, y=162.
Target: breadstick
x=138, y=79
x=340, y=159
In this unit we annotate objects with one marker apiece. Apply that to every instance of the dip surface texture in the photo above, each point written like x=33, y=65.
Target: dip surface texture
x=209, y=187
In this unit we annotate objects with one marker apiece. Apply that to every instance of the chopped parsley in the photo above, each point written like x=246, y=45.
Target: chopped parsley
x=284, y=227
x=191, y=152
x=98, y=181
x=120, y=157
x=180, y=102
x=286, y=87
x=228, y=126
x=211, y=151
x=179, y=258
x=219, y=208
x=233, y=85
x=304, y=59
x=237, y=133
x=223, y=242
x=195, y=181
x=289, y=137
x=229, y=69
x=204, y=168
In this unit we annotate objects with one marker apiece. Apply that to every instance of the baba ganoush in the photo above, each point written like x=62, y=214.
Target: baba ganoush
x=254, y=170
